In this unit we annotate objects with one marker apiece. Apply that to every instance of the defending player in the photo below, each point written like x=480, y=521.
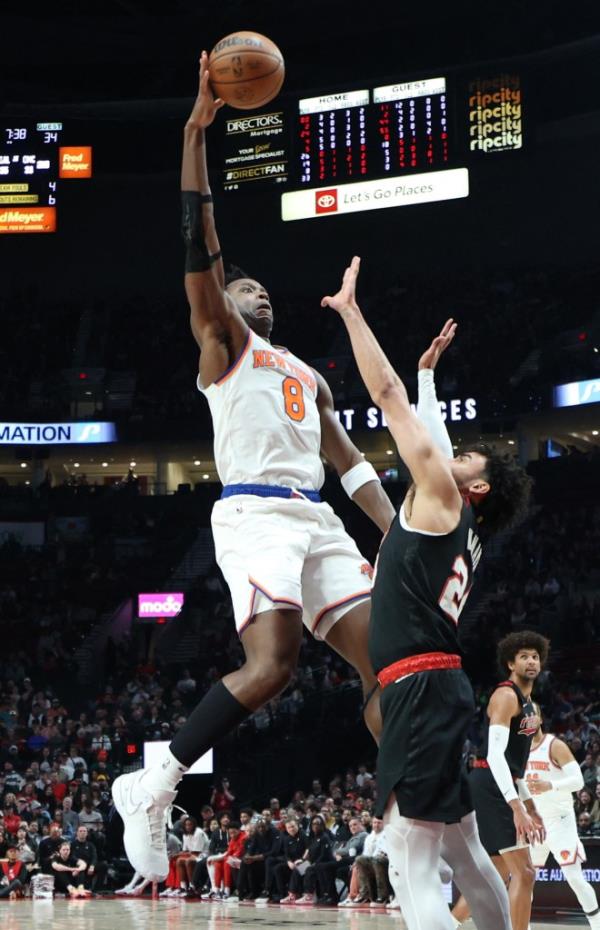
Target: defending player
x=552, y=775
x=284, y=554
x=506, y=813
x=423, y=577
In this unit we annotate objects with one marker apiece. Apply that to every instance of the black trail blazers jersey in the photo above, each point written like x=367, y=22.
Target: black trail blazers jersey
x=422, y=583
x=523, y=726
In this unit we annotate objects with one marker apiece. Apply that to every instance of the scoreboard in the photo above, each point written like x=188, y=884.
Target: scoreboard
x=33, y=162
x=373, y=146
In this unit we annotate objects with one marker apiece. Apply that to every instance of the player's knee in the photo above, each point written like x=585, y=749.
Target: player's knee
x=527, y=875
x=271, y=677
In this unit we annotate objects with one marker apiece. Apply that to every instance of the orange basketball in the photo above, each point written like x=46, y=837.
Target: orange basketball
x=246, y=70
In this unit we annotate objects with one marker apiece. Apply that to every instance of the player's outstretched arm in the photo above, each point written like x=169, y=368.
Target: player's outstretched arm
x=428, y=408
x=428, y=466
x=359, y=478
x=216, y=325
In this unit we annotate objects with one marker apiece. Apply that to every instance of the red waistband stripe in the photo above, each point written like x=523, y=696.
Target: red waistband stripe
x=425, y=662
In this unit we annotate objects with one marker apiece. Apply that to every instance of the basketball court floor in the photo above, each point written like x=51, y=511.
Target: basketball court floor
x=147, y=914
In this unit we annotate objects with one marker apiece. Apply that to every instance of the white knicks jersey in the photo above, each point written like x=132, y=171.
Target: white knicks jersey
x=540, y=766
x=265, y=419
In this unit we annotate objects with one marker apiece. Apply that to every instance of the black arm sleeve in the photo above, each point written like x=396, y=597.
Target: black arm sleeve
x=197, y=257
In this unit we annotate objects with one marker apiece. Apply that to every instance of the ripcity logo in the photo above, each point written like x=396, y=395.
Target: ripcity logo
x=326, y=201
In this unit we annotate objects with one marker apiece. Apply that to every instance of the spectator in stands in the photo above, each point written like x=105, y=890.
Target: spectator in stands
x=595, y=809
x=69, y=872
x=372, y=868
x=83, y=849
x=88, y=816
x=49, y=847
x=343, y=859
x=226, y=866
x=70, y=819
x=12, y=875
x=195, y=844
x=304, y=874
x=252, y=870
x=221, y=798
x=219, y=840
x=584, y=802
x=290, y=856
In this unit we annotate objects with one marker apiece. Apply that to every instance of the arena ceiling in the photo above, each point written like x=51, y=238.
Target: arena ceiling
x=69, y=52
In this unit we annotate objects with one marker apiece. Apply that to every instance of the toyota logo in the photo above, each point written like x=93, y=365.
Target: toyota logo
x=326, y=201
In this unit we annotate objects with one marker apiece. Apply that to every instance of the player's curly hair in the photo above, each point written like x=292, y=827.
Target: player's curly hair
x=512, y=644
x=233, y=273
x=507, y=502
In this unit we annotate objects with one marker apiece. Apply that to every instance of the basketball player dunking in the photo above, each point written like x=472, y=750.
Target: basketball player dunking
x=423, y=576
x=553, y=774
x=506, y=813
x=285, y=555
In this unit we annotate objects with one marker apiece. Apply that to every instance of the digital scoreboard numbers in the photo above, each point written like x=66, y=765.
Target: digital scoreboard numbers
x=412, y=126
x=32, y=163
x=332, y=137
x=369, y=149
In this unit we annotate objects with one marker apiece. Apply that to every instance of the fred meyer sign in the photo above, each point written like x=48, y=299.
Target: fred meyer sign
x=56, y=434
x=160, y=605
x=455, y=411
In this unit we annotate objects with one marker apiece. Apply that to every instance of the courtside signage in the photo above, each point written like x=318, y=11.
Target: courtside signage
x=56, y=434
x=577, y=393
x=160, y=605
x=449, y=184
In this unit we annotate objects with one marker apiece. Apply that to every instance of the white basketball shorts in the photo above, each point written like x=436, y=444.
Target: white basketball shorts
x=562, y=841
x=288, y=553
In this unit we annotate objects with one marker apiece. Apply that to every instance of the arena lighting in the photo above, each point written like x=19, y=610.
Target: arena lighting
x=389, y=451
x=511, y=442
x=594, y=432
x=197, y=462
x=132, y=464
x=75, y=464
x=23, y=464
x=104, y=464
x=82, y=376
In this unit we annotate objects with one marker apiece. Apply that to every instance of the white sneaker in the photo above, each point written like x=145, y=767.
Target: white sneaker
x=144, y=812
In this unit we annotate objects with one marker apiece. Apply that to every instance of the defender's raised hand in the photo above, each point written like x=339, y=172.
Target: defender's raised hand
x=431, y=357
x=345, y=299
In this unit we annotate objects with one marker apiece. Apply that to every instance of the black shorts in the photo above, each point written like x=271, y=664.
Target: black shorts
x=494, y=816
x=426, y=717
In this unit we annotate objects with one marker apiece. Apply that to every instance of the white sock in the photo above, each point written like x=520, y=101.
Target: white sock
x=456, y=922
x=167, y=774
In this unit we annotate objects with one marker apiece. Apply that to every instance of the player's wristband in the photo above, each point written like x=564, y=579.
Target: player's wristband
x=355, y=477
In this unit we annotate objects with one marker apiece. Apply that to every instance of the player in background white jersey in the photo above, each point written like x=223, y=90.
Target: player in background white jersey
x=552, y=775
x=285, y=555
